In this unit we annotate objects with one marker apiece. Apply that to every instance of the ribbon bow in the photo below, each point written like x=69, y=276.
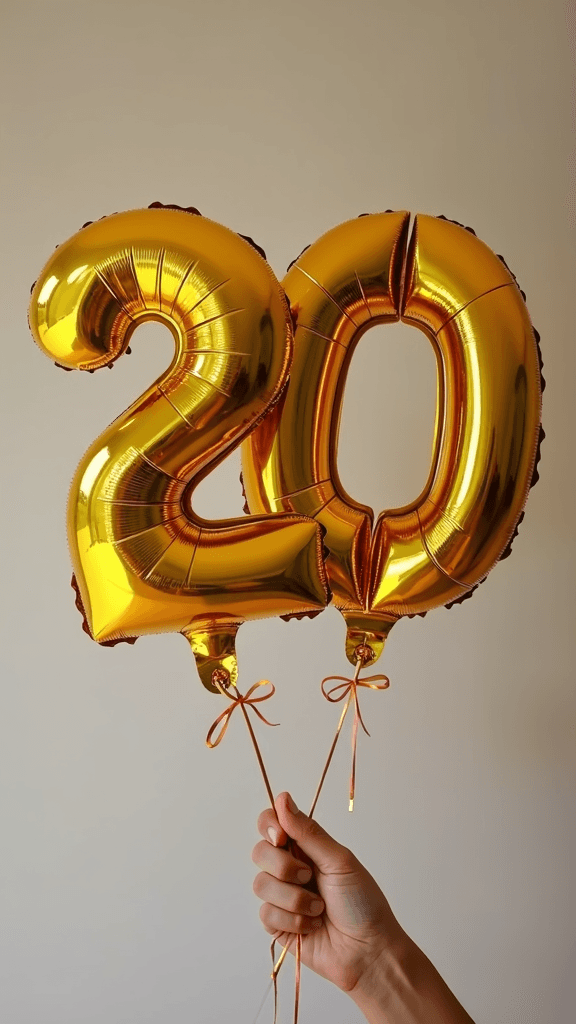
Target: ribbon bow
x=242, y=701
x=238, y=700
x=346, y=687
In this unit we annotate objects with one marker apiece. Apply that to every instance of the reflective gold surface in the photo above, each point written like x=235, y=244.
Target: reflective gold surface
x=144, y=561
x=452, y=286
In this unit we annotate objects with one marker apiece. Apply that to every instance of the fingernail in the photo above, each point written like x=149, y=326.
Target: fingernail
x=291, y=805
x=316, y=906
x=304, y=875
x=274, y=836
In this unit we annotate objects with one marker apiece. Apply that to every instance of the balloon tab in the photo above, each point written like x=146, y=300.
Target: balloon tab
x=365, y=637
x=214, y=648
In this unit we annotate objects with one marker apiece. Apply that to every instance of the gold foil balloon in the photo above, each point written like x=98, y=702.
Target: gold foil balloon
x=437, y=549
x=143, y=560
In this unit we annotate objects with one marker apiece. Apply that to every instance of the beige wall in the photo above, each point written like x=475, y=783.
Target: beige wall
x=126, y=843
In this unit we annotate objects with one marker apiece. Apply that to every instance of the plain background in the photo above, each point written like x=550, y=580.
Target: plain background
x=126, y=869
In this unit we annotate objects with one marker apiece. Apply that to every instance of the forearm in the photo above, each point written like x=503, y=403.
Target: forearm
x=404, y=987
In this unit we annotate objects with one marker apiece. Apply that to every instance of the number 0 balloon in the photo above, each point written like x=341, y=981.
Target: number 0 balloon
x=437, y=549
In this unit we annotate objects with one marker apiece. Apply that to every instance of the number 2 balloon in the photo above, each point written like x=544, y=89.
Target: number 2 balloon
x=144, y=561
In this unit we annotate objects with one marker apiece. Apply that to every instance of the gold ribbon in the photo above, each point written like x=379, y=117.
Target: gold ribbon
x=346, y=687
x=297, y=973
x=243, y=701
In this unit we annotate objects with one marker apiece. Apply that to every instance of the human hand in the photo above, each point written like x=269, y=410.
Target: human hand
x=322, y=892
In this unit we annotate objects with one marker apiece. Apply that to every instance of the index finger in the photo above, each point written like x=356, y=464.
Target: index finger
x=270, y=828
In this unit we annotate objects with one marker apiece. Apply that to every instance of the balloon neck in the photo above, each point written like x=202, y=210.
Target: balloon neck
x=213, y=643
x=365, y=637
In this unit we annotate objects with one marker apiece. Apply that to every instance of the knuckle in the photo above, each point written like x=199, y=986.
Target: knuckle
x=264, y=914
x=258, y=851
x=258, y=884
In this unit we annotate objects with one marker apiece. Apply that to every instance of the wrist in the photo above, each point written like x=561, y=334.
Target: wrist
x=402, y=986
x=384, y=980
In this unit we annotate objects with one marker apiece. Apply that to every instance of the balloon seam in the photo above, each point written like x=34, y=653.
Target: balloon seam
x=466, y=586
x=327, y=294
x=108, y=286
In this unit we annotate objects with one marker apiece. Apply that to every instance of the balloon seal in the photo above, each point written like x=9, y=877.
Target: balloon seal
x=364, y=654
x=366, y=636
x=213, y=644
x=221, y=677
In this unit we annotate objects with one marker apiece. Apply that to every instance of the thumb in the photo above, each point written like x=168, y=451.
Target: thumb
x=328, y=855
